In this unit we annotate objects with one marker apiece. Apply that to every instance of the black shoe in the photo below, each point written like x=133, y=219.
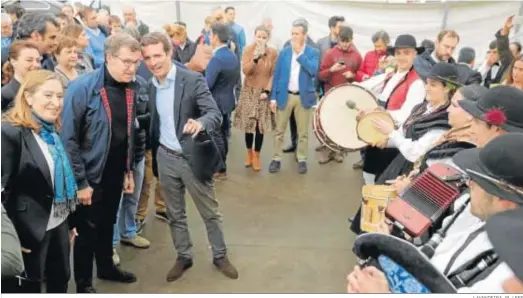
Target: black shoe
x=85, y=289
x=162, y=216
x=179, y=269
x=302, y=167
x=275, y=166
x=118, y=275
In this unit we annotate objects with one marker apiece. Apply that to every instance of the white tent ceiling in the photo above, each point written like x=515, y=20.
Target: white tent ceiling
x=475, y=21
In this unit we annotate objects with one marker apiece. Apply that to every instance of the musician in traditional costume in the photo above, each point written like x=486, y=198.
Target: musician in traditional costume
x=458, y=138
x=426, y=124
x=339, y=66
x=401, y=92
x=504, y=231
x=496, y=186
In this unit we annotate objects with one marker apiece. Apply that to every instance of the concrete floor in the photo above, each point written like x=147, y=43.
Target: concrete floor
x=286, y=233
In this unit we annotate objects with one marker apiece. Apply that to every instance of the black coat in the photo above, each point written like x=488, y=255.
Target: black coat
x=9, y=92
x=142, y=116
x=467, y=75
x=23, y=165
x=424, y=62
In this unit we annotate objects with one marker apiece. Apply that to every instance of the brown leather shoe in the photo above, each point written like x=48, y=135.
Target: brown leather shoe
x=225, y=266
x=178, y=269
x=256, y=162
x=249, y=158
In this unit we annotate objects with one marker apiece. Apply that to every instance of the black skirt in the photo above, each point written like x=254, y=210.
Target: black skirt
x=377, y=160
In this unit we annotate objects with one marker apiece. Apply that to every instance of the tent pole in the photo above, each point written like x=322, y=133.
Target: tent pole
x=446, y=9
x=178, y=10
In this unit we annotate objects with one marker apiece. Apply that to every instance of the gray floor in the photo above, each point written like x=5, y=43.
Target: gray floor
x=286, y=233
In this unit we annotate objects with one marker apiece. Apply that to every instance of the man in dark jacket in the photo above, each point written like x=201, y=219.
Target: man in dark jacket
x=499, y=57
x=42, y=29
x=466, y=74
x=185, y=155
x=444, y=47
x=222, y=75
x=127, y=230
x=99, y=117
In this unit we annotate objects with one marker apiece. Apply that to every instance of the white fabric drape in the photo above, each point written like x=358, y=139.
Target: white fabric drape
x=475, y=21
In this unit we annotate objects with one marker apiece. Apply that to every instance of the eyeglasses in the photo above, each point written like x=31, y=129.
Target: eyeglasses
x=129, y=63
x=502, y=184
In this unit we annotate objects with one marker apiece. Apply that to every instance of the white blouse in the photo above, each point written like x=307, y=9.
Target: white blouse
x=54, y=221
x=410, y=149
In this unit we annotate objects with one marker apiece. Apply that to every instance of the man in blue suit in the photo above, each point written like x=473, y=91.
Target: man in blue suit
x=222, y=75
x=293, y=91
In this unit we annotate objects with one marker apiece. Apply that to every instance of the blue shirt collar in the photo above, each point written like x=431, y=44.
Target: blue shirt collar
x=171, y=76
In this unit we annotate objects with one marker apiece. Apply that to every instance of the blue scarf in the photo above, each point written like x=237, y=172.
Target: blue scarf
x=64, y=180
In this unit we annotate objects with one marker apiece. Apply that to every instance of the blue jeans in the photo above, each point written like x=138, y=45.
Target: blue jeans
x=126, y=218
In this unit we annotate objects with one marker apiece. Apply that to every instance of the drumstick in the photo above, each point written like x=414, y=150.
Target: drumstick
x=352, y=105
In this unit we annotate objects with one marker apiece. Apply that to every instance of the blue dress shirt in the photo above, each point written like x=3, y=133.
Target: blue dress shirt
x=165, y=108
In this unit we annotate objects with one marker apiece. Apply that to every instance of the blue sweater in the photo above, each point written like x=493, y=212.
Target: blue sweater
x=96, y=47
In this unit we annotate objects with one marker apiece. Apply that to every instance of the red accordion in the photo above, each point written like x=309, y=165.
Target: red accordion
x=426, y=199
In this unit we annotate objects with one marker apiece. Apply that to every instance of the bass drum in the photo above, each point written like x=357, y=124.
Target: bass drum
x=334, y=123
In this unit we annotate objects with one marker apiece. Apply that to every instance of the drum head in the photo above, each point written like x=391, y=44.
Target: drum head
x=337, y=121
x=366, y=130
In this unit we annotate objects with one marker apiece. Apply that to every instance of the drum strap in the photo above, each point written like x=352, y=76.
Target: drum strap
x=470, y=238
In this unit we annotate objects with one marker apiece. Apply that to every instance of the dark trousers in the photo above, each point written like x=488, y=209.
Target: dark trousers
x=94, y=225
x=49, y=262
x=224, y=132
x=256, y=138
x=294, y=131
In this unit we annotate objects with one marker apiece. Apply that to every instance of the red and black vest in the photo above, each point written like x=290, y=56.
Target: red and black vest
x=399, y=94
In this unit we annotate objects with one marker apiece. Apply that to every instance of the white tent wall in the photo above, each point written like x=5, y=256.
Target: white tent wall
x=476, y=21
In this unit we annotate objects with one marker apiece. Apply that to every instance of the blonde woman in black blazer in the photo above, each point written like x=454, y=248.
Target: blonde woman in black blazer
x=38, y=185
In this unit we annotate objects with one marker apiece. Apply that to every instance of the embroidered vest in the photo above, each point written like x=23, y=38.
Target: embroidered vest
x=399, y=94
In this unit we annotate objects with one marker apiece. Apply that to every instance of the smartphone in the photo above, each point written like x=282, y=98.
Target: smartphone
x=518, y=20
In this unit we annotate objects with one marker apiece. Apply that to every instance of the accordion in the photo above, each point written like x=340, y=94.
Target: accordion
x=426, y=199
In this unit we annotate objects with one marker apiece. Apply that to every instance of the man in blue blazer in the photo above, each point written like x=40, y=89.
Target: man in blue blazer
x=293, y=91
x=222, y=74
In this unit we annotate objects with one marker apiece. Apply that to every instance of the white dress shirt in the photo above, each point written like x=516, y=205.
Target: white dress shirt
x=415, y=96
x=485, y=68
x=54, y=221
x=294, y=79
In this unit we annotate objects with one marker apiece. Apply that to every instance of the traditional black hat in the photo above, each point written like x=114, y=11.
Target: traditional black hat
x=473, y=92
x=501, y=106
x=445, y=72
x=505, y=233
x=405, y=41
x=497, y=167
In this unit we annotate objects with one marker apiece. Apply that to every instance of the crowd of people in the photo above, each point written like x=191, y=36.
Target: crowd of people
x=94, y=107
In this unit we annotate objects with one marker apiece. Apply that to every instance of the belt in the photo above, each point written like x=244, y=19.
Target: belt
x=294, y=92
x=170, y=151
